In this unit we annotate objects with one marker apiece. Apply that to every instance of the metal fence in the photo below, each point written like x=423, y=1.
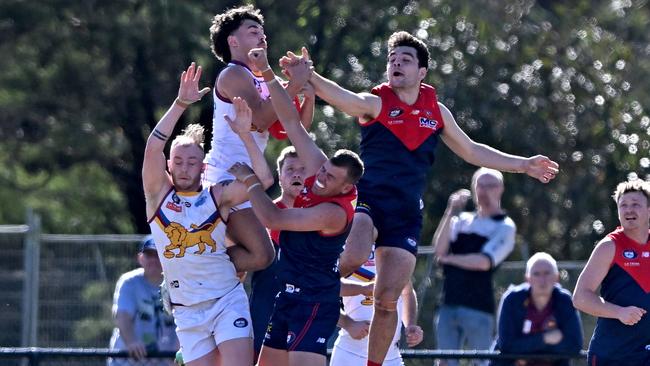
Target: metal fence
x=94, y=356
x=57, y=289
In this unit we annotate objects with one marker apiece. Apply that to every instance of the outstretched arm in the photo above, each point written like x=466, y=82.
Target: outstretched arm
x=329, y=218
x=155, y=179
x=309, y=153
x=365, y=106
x=539, y=167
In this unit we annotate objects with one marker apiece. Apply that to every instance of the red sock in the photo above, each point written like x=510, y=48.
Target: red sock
x=370, y=363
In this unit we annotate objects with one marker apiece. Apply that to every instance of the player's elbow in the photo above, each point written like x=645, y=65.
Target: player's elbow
x=265, y=257
x=578, y=299
x=349, y=262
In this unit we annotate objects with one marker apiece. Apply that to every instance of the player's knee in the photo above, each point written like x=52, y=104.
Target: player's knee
x=387, y=304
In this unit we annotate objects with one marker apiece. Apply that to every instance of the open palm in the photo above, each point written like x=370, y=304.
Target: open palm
x=188, y=91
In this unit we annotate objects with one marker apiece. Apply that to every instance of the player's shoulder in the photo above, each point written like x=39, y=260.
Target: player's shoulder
x=606, y=244
x=234, y=73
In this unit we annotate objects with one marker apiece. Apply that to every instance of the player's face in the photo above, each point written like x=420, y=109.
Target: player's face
x=487, y=191
x=331, y=180
x=402, y=69
x=633, y=210
x=185, y=165
x=542, y=278
x=249, y=35
x=292, y=176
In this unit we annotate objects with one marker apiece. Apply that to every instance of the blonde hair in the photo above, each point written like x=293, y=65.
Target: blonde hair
x=192, y=134
x=540, y=256
x=287, y=152
x=637, y=185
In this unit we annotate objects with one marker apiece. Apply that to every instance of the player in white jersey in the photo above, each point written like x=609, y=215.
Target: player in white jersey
x=351, y=346
x=187, y=222
x=233, y=34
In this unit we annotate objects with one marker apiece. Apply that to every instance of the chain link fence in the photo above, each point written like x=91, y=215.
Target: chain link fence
x=57, y=290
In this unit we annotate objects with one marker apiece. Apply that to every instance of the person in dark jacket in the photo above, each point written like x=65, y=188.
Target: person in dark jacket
x=538, y=317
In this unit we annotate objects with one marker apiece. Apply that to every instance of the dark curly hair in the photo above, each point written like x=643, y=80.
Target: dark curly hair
x=406, y=39
x=225, y=23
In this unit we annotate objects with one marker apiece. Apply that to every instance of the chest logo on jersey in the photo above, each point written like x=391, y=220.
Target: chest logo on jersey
x=428, y=123
x=182, y=239
x=174, y=207
x=201, y=200
x=629, y=254
x=395, y=112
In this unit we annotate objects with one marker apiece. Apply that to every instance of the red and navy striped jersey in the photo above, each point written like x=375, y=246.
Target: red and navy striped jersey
x=309, y=259
x=626, y=284
x=397, y=148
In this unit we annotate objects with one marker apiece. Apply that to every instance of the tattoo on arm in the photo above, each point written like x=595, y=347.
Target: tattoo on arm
x=226, y=182
x=159, y=135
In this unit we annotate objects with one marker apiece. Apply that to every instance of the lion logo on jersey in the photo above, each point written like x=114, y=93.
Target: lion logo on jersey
x=182, y=239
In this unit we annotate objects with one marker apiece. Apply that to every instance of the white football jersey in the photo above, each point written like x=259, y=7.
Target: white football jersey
x=190, y=235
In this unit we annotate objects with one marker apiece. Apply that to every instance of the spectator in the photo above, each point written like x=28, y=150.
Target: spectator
x=141, y=325
x=538, y=317
x=470, y=245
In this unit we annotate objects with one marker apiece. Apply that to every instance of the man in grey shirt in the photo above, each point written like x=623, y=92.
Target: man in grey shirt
x=141, y=325
x=469, y=246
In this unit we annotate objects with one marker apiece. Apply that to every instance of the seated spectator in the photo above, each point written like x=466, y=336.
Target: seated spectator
x=538, y=317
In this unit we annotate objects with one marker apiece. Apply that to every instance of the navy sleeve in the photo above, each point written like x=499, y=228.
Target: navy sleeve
x=569, y=324
x=511, y=339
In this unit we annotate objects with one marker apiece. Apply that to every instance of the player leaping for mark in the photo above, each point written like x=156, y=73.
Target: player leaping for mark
x=401, y=121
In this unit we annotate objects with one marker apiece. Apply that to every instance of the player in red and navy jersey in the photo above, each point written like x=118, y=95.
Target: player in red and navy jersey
x=401, y=122
x=312, y=235
x=264, y=284
x=620, y=266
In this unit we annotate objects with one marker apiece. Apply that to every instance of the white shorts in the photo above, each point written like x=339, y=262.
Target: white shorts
x=202, y=327
x=213, y=175
x=341, y=357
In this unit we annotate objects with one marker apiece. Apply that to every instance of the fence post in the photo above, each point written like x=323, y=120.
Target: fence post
x=31, y=258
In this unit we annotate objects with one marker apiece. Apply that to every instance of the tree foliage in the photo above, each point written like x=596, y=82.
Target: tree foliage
x=83, y=83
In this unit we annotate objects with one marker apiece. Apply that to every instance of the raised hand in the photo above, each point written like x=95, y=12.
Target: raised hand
x=414, y=335
x=241, y=171
x=541, y=168
x=243, y=117
x=188, y=91
x=258, y=58
x=458, y=200
x=292, y=59
x=297, y=68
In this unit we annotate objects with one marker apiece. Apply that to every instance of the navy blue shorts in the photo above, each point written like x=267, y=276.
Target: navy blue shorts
x=301, y=326
x=395, y=226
